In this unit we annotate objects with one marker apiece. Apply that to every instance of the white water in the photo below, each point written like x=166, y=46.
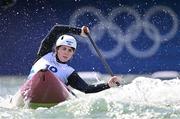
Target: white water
x=144, y=98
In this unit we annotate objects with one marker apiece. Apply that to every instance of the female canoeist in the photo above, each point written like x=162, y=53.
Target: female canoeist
x=56, y=50
x=56, y=61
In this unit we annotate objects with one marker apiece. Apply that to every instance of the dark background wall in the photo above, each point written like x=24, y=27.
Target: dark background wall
x=135, y=36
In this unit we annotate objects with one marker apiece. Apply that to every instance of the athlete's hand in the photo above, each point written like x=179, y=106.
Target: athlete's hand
x=84, y=31
x=114, y=81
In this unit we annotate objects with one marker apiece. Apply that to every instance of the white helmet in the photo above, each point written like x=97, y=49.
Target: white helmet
x=66, y=40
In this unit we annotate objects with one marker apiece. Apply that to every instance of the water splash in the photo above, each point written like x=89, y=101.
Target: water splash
x=144, y=98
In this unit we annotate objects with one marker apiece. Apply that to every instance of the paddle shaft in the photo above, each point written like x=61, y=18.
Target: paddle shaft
x=71, y=92
x=107, y=67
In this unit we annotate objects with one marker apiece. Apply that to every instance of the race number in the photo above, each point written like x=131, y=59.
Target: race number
x=51, y=68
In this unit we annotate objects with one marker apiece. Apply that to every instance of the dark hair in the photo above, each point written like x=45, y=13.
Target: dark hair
x=60, y=46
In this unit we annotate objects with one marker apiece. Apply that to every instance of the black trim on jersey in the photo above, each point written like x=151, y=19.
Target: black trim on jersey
x=75, y=81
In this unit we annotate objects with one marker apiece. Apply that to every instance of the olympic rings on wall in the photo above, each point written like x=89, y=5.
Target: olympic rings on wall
x=124, y=39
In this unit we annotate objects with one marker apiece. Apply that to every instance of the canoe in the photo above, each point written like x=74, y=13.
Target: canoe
x=44, y=90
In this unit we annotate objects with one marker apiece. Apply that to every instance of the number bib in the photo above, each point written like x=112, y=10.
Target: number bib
x=60, y=70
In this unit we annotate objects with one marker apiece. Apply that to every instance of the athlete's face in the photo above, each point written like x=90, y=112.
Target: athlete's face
x=65, y=53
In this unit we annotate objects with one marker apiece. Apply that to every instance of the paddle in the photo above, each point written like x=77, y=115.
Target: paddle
x=71, y=92
x=107, y=67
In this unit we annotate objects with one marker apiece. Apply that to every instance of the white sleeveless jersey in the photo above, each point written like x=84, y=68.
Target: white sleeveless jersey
x=48, y=61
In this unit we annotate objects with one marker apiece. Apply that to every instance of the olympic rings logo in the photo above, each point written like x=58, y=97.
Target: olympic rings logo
x=133, y=31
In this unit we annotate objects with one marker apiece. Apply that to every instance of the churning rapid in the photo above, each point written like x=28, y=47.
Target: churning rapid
x=143, y=98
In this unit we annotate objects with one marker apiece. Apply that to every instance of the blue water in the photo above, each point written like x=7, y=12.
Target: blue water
x=143, y=98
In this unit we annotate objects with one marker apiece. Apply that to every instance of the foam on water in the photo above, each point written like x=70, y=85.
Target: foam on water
x=152, y=91
x=144, y=98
